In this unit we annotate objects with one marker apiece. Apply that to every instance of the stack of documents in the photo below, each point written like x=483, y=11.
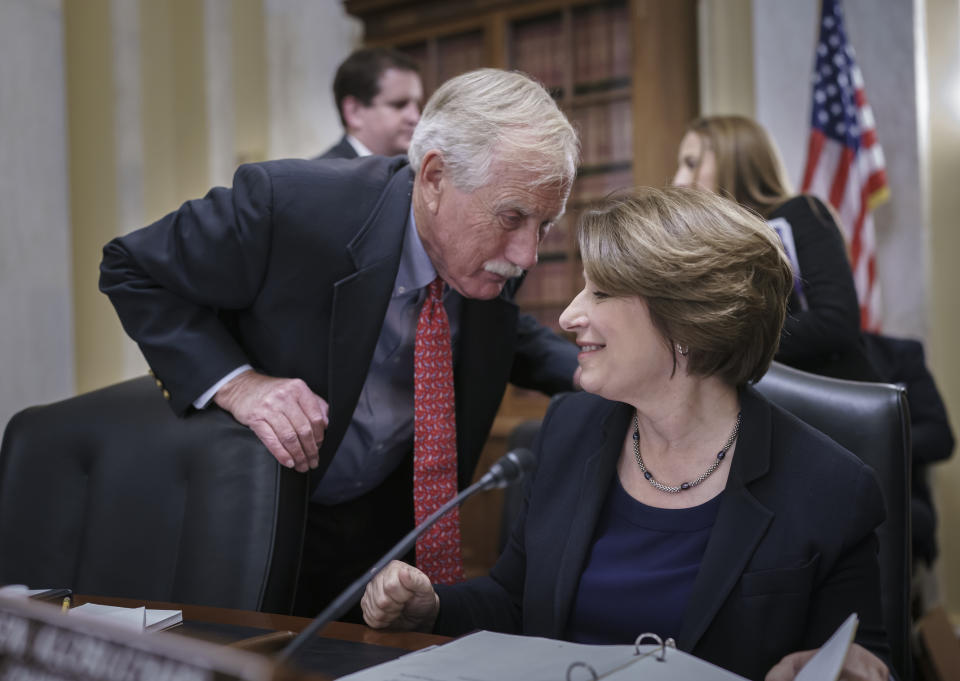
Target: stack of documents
x=139, y=619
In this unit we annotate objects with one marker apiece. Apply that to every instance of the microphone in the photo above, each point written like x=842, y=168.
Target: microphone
x=508, y=469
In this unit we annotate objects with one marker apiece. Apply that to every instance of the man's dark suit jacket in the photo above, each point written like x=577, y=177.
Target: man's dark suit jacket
x=291, y=270
x=342, y=149
x=792, y=554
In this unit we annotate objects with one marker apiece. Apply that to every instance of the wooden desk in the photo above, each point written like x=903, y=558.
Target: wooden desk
x=201, y=622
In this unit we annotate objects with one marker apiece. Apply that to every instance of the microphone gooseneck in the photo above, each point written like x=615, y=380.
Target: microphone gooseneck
x=508, y=469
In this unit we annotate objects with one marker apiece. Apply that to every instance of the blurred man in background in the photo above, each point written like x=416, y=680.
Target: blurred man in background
x=378, y=94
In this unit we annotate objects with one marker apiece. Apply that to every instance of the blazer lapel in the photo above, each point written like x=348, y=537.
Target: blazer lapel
x=596, y=473
x=360, y=300
x=741, y=524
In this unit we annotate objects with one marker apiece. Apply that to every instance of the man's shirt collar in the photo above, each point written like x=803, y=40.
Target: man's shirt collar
x=359, y=146
x=416, y=271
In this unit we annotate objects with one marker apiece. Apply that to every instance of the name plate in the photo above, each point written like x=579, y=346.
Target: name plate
x=40, y=643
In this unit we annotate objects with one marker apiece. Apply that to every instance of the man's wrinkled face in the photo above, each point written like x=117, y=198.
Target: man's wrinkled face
x=478, y=240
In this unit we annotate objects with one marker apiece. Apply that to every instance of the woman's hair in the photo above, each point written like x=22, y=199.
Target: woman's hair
x=487, y=116
x=749, y=168
x=713, y=275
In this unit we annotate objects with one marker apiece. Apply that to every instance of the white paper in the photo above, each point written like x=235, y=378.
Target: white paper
x=827, y=663
x=131, y=618
x=162, y=619
x=488, y=656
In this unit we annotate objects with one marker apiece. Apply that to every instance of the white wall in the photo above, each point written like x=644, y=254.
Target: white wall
x=306, y=41
x=36, y=307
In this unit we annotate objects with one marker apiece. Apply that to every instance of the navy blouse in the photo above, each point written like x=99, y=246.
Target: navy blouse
x=640, y=569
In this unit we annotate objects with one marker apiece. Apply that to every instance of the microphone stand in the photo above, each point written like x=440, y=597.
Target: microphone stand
x=495, y=477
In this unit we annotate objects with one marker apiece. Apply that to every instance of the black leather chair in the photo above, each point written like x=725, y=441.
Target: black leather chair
x=110, y=494
x=872, y=420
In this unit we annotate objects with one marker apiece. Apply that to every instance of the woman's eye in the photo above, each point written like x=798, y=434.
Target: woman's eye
x=600, y=295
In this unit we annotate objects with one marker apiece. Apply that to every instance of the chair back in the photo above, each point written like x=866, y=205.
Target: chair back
x=872, y=420
x=110, y=494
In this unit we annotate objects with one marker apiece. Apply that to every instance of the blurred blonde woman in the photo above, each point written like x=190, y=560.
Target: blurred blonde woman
x=735, y=157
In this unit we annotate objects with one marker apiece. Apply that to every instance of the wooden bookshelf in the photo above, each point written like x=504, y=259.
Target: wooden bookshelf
x=624, y=72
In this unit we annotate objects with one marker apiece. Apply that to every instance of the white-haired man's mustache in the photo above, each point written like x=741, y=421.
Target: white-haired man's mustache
x=503, y=268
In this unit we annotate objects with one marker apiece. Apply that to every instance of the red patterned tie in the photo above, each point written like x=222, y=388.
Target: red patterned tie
x=435, y=441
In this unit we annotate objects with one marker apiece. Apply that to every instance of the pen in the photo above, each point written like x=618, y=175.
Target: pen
x=51, y=595
x=65, y=605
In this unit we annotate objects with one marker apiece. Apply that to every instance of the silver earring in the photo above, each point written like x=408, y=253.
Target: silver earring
x=683, y=350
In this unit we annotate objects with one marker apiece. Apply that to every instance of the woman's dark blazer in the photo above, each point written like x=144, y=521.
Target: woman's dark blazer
x=825, y=338
x=792, y=554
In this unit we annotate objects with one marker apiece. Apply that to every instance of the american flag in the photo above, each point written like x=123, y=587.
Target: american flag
x=845, y=164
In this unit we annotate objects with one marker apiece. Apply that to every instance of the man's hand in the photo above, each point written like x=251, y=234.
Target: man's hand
x=859, y=665
x=283, y=412
x=400, y=597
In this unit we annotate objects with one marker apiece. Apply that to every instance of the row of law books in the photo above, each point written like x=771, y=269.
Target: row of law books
x=548, y=283
x=458, y=54
x=600, y=46
x=537, y=49
x=606, y=132
x=593, y=186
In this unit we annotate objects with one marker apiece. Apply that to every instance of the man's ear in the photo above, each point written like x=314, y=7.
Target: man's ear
x=351, y=107
x=432, y=179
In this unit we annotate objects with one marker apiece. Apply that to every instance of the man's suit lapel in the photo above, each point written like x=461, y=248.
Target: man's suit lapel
x=741, y=523
x=596, y=473
x=360, y=300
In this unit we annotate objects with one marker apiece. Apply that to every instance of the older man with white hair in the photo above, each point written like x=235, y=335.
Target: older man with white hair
x=358, y=315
